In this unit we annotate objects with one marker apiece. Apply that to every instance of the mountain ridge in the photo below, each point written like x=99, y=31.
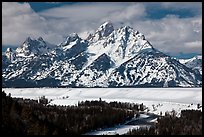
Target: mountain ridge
x=108, y=58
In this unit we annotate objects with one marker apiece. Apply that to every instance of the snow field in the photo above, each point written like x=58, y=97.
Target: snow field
x=156, y=99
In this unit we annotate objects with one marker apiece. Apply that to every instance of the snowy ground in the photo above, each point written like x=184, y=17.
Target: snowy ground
x=124, y=128
x=158, y=100
x=115, y=130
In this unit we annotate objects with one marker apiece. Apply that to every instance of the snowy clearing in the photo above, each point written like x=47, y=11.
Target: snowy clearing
x=156, y=99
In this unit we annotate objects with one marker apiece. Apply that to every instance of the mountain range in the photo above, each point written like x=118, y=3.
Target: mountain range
x=107, y=58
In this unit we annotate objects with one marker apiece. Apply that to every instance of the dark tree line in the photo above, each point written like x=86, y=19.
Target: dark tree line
x=189, y=123
x=28, y=117
x=114, y=104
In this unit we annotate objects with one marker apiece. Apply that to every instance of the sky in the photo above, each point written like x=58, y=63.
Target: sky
x=174, y=28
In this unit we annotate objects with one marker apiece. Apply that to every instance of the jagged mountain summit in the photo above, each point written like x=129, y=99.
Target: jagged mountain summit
x=32, y=47
x=107, y=58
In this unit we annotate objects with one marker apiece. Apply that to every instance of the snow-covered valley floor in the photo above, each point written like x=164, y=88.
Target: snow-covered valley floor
x=158, y=100
x=143, y=121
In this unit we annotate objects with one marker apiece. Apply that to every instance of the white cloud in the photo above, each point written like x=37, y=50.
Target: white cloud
x=88, y=16
x=170, y=34
x=86, y=11
x=128, y=13
x=19, y=21
x=194, y=44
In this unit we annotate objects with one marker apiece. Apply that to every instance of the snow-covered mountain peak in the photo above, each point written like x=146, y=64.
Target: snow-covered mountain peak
x=126, y=29
x=73, y=44
x=31, y=47
x=29, y=42
x=8, y=50
x=103, y=31
x=122, y=44
x=73, y=37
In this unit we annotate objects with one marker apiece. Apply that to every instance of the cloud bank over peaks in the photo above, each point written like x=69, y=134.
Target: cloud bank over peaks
x=172, y=33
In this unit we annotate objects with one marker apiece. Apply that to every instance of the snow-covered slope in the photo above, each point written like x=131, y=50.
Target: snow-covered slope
x=153, y=68
x=96, y=73
x=107, y=58
x=195, y=63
